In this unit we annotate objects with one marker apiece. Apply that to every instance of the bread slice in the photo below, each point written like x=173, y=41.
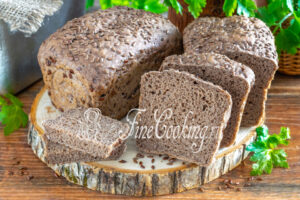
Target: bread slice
x=245, y=40
x=56, y=153
x=234, y=77
x=189, y=113
x=88, y=131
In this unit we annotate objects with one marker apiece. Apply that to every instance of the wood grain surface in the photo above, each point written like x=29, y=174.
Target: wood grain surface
x=24, y=176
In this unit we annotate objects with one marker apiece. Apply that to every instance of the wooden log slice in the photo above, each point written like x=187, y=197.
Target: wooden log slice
x=129, y=178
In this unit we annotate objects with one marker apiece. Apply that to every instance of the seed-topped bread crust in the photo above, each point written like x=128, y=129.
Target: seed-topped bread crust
x=236, y=33
x=246, y=40
x=189, y=113
x=97, y=60
x=234, y=77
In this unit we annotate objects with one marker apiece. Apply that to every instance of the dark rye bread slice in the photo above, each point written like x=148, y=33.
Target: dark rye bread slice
x=97, y=60
x=88, y=131
x=246, y=40
x=56, y=153
x=200, y=108
x=234, y=77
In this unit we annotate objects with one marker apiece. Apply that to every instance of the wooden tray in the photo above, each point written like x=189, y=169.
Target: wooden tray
x=129, y=178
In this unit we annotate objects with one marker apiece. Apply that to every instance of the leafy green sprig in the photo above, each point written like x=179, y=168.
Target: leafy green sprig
x=242, y=7
x=276, y=14
x=282, y=16
x=266, y=155
x=195, y=7
x=12, y=114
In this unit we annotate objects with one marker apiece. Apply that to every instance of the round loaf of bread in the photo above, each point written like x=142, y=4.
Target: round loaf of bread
x=98, y=60
x=246, y=40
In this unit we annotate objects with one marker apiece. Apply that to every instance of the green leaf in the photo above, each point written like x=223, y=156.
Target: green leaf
x=262, y=133
x=273, y=141
x=196, y=7
x=229, y=7
x=89, y=3
x=155, y=6
x=263, y=14
x=105, y=4
x=246, y=8
x=289, y=4
x=14, y=100
x=257, y=156
x=256, y=146
x=265, y=155
x=12, y=115
x=285, y=133
x=174, y=4
x=295, y=24
x=287, y=41
x=138, y=4
x=2, y=101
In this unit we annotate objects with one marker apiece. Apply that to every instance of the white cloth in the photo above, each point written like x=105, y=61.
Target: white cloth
x=27, y=16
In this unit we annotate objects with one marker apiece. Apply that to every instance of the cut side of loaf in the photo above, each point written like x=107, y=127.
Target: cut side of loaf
x=97, y=60
x=245, y=40
x=56, y=153
x=88, y=131
x=191, y=115
x=234, y=77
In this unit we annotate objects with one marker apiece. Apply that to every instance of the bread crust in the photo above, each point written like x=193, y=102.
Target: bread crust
x=246, y=40
x=82, y=62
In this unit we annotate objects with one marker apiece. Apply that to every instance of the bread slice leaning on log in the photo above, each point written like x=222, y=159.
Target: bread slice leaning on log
x=234, y=77
x=187, y=116
x=245, y=40
x=97, y=60
x=56, y=153
x=86, y=131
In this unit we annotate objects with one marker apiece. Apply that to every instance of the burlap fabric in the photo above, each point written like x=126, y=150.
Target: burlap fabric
x=27, y=16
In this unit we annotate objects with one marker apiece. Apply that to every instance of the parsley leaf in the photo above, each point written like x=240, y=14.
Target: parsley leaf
x=155, y=6
x=265, y=155
x=229, y=7
x=276, y=15
x=89, y=3
x=246, y=8
x=174, y=4
x=12, y=114
x=106, y=4
x=195, y=7
x=243, y=7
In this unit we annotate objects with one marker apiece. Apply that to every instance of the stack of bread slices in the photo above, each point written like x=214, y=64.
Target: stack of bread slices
x=120, y=58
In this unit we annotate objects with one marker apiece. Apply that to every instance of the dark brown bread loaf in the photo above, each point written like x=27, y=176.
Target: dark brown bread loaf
x=234, y=77
x=56, y=153
x=191, y=115
x=88, y=131
x=246, y=40
x=97, y=60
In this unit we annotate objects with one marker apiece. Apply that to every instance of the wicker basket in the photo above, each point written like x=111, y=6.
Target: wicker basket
x=288, y=64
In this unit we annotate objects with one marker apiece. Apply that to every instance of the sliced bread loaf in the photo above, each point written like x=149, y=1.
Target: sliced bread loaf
x=187, y=116
x=88, y=131
x=56, y=153
x=98, y=59
x=234, y=77
x=246, y=40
